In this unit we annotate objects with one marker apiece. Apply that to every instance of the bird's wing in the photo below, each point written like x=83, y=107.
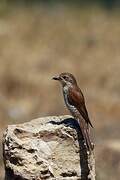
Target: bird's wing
x=76, y=99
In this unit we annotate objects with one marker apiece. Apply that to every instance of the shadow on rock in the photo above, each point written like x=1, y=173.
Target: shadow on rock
x=73, y=123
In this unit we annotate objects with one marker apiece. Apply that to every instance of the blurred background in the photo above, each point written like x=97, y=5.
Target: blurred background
x=39, y=39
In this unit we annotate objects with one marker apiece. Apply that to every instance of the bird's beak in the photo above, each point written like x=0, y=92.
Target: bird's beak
x=56, y=78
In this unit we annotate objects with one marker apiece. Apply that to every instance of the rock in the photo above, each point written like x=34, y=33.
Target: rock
x=48, y=148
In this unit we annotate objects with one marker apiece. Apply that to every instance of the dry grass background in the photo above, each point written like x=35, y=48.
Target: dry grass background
x=39, y=42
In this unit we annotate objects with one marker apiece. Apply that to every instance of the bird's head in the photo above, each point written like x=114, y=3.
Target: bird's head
x=66, y=79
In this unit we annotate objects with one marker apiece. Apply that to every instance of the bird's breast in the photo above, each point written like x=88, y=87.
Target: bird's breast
x=71, y=108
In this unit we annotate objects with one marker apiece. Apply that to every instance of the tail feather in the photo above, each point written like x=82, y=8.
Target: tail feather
x=85, y=133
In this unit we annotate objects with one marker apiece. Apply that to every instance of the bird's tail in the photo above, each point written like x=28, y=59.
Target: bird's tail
x=85, y=132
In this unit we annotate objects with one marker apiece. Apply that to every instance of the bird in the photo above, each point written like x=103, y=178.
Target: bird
x=75, y=102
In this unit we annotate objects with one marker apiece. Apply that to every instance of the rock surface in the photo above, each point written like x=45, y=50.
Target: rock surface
x=46, y=148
